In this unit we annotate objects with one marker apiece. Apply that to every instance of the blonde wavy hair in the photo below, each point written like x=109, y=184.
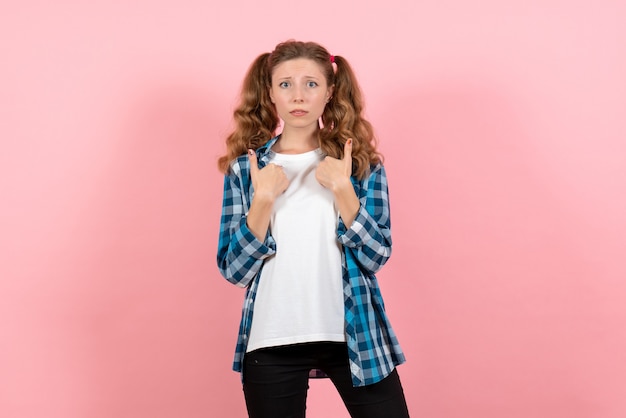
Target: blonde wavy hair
x=256, y=119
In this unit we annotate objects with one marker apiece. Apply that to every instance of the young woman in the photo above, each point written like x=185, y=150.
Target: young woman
x=304, y=228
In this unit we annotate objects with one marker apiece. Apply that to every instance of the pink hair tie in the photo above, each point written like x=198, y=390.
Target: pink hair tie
x=332, y=59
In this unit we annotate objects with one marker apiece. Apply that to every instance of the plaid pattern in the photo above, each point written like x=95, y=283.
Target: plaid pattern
x=373, y=348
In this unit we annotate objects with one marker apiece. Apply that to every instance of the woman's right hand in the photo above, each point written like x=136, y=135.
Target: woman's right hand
x=268, y=182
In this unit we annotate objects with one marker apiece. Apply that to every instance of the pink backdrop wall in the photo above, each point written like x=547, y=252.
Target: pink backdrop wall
x=503, y=126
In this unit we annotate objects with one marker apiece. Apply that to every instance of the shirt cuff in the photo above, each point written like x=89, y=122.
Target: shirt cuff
x=250, y=245
x=357, y=234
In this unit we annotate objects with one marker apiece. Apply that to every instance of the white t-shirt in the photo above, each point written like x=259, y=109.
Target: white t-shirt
x=300, y=293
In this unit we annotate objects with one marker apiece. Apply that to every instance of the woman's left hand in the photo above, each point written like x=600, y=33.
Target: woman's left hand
x=333, y=173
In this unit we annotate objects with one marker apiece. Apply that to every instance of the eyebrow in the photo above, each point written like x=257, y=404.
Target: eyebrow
x=306, y=76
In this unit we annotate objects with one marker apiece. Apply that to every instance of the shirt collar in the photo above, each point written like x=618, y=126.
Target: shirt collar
x=264, y=152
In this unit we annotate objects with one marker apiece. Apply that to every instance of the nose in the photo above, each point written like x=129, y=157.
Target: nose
x=298, y=94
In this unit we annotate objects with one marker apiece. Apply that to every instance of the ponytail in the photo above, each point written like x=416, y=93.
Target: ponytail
x=343, y=119
x=255, y=118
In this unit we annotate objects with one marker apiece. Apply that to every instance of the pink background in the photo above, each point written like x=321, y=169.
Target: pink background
x=503, y=124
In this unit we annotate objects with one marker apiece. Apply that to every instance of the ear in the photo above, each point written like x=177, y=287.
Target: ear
x=329, y=93
x=269, y=90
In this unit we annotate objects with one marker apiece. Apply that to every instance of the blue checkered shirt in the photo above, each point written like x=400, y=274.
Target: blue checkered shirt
x=373, y=348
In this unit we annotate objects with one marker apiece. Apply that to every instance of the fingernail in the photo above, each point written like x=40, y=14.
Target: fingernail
x=350, y=141
x=250, y=152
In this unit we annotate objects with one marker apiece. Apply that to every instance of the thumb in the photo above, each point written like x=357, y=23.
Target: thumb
x=347, y=154
x=254, y=164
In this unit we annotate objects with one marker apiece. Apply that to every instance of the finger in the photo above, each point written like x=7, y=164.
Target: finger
x=254, y=164
x=347, y=153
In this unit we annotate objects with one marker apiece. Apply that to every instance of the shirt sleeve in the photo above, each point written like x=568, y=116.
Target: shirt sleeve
x=240, y=254
x=369, y=236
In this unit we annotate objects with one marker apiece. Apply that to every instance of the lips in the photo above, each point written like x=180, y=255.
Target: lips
x=298, y=112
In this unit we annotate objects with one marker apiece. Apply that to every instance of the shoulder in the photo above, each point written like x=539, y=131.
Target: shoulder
x=376, y=172
x=239, y=165
x=374, y=181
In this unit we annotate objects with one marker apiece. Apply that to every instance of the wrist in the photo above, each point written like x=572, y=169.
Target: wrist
x=262, y=197
x=342, y=186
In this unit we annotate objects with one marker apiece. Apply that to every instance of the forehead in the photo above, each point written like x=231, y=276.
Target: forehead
x=298, y=67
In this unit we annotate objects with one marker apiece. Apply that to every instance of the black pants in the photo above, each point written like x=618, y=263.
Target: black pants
x=276, y=380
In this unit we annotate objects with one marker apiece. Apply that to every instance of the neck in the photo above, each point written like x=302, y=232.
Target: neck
x=296, y=141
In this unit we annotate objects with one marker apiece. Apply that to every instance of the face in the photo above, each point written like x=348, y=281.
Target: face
x=300, y=92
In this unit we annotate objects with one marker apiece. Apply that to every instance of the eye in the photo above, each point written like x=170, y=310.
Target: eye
x=283, y=84
x=311, y=84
